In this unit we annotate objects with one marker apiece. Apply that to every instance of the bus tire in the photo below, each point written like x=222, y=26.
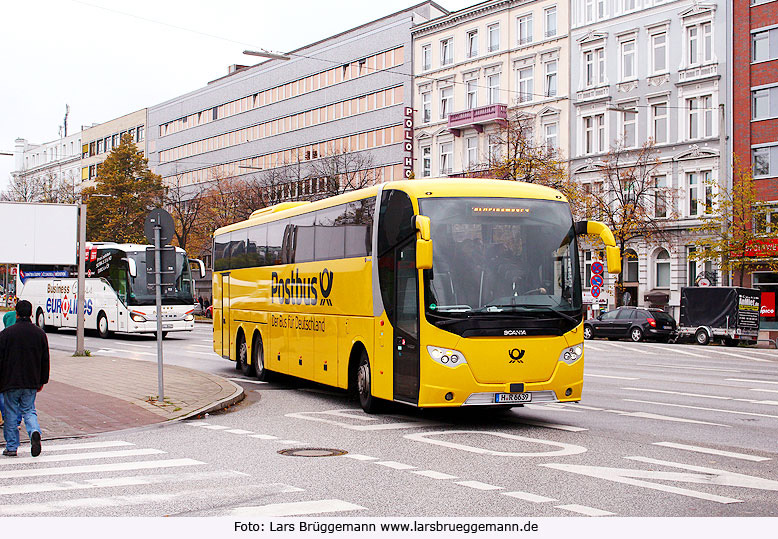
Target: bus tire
x=258, y=359
x=243, y=356
x=40, y=319
x=369, y=403
x=102, y=326
x=702, y=337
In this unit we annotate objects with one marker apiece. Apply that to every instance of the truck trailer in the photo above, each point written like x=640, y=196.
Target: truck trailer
x=725, y=313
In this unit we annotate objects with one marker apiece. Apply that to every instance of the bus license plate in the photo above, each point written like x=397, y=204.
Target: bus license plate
x=167, y=326
x=513, y=397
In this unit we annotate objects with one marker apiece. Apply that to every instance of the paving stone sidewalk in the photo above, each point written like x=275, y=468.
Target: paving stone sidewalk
x=88, y=395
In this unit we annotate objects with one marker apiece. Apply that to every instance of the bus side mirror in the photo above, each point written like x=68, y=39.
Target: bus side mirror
x=423, y=242
x=199, y=264
x=132, y=268
x=612, y=253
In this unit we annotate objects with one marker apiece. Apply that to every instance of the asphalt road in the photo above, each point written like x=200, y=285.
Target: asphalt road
x=662, y=430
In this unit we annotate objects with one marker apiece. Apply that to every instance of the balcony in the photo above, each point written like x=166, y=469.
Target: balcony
x=696, y=73
x=477, y=118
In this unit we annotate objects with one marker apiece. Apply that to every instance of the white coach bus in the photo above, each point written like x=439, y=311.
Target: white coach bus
x=117, y=295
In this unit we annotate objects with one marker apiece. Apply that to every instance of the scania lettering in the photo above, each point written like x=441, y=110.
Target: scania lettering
x=432, y=293
x=117, y=294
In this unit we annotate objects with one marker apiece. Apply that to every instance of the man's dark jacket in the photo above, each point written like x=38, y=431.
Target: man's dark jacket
x=24, y=356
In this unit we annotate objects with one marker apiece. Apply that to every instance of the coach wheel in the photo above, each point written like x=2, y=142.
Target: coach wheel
x=243, y=357
x=102, y=326
x=258, y=360
x=636, y=334
x=40, y=320
x=588, y=332
x=369, y=403
x=702, y=337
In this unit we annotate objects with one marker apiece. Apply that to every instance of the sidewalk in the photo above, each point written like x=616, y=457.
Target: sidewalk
x=87, y=395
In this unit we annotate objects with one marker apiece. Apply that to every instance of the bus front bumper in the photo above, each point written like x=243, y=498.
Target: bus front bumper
x=167, y=325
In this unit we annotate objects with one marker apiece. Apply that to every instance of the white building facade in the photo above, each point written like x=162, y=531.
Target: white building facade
x=53, y=163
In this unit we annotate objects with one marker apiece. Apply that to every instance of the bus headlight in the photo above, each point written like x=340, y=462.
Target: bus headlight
x=137, y=317
x=572, y=354
x=446, y=356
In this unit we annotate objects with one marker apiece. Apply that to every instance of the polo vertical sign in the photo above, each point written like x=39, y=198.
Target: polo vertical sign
x=408, y=142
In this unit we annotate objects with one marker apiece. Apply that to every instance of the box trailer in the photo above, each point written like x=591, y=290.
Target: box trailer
x=726, y=313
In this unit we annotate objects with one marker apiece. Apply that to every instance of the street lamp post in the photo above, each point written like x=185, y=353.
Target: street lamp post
x=268, y=54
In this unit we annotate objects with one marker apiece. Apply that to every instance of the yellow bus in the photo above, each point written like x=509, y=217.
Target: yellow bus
x=432, y=293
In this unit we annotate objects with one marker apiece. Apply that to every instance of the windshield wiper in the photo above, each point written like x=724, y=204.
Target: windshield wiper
x=530, y=308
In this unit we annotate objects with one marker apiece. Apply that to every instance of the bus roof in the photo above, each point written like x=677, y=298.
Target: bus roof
x=426, y=188
x=126, y=247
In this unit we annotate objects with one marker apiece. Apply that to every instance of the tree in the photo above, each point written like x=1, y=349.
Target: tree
x=185, y=204
x=735, y=231
x=343, y=171
x=46, y=188
x=626, y=197
x=126, y=191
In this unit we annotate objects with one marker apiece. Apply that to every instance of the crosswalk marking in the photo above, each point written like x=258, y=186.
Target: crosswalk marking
x=686, y=367
x=584, y=510
x=703, y=408
x=86, y=445
x=81, y=456
x=239, y=431
x=701, y=396
x=528, y=496
x=296, y=508
x=477, y=485
x=751, y=380
x=711, y=451
x=395, y=465
x=434, y=475
x=357, y=456
x=613, y=377
x=101, y=468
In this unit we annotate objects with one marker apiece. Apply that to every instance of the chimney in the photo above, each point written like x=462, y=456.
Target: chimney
x=234, y=68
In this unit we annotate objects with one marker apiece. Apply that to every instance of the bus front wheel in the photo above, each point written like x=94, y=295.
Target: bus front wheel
x=369, y=403
x=102, y=326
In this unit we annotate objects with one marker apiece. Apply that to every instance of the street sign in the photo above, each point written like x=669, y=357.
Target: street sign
x=159, y=217
x=597, y=280
x=168, y=266
x=597, y=268
x=595, y=291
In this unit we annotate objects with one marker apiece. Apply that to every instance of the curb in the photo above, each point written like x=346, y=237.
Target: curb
x=236, y=397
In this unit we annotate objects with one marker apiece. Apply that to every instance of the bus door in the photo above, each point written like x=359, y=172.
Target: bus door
x=224, y=318
x=406, y=324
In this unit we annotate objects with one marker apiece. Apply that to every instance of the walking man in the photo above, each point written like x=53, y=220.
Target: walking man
x=24, y=369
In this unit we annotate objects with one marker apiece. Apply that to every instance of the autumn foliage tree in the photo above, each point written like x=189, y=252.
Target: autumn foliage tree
x=736, y=233
x=125, y=191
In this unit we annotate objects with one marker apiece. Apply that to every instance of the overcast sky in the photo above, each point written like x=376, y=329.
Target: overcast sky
x=107, y=58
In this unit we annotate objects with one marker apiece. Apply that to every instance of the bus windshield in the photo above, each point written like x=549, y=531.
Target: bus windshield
x=501, y=255
x=141, y=293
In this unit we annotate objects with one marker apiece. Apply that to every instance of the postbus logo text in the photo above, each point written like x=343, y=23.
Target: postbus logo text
x=296, y=290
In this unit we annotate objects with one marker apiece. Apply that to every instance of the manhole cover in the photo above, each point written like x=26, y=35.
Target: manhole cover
x=313, y=452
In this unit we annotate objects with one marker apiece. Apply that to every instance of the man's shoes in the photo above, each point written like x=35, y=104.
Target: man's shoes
x=9, y=453
x=35, y=439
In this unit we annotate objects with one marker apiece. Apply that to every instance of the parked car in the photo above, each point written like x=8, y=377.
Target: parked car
x=634, y=323
x=209, y=311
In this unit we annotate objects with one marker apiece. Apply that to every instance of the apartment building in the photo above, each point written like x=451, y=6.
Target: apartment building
x=476, y=68
x=50, y=165
x=99, y=139
x=755, y=125
x=346, y=94
x=654, y=70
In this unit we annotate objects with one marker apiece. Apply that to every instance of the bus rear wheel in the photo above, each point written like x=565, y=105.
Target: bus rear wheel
x=258, y=360
x=243, y=357
x=369, y=403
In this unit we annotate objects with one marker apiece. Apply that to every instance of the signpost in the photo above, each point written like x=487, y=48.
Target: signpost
x=159, y=229
x=597, y=280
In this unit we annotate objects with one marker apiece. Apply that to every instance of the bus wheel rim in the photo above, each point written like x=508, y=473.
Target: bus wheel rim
x=363, y=380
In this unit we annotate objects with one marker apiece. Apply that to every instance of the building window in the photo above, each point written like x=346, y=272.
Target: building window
x=471, y=93
x=628, y=60
x=600, y=9
x=663, y=269
x=472, y=44
x=446, y=101
x=700, y=117
x=526, y=84
x=660, y=196
x=764, y=103
x=588, y=125
x=494, y=37
x=493, y=84
x=765, y=161
x=550, y=135
x=446, y=154
x=549, y=16
x=594, y=67
x=599, y=120
x=494, y=149
x=629, y=120
x=550, y=82
x=525, y=29
x=426, y=107
x=426, y=57
x=140, y=133
x=659, y=121
x=708, y=190
x=659, y=56
x=699, y=43
x=471, y=152
x=446, y=51
x=426, y=161
x=628, y=5
x=693, y=191
x=589, y=10
x=631, y=265
x=99, y=146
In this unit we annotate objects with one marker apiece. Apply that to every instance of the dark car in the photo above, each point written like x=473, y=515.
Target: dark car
x=634, y=323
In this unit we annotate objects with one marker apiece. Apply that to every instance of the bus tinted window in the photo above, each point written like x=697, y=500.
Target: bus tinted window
x=256, y=246
x=359, y=227
x=237, y=248
x=275, y=237
x=221, y=257
x=330, y=233
x=303, y=238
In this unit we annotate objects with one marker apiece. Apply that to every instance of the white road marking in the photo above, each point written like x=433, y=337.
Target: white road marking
x=750, y=380
x=296, y=508
x=764, y=390
x=568, y=428
x=100, y=468
x=264, y=436
x=564, y=449
x=553, y=406
x=395, y=465
x=360, y=416
x=81, y=456
x=684, y=367
x=658, y=417
x=739, y=356
x=583, y=406
x=584, y=510
x=528, y=496
x=477, y=485
x=435, y=475
x=357, y=456
x=86, y=445
x=203, y=354
x=714, y=476
x=710, y=451
x=674, y=350
x=244, y=380
x=593, y=347
x=612, y=377
x=239, y=431
x=773, y=354
x=203, y=346
x=635, y=478
x=31, y=488
x=214, y=427
x=702, y=396
x=90, y=503
x=702, y=408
